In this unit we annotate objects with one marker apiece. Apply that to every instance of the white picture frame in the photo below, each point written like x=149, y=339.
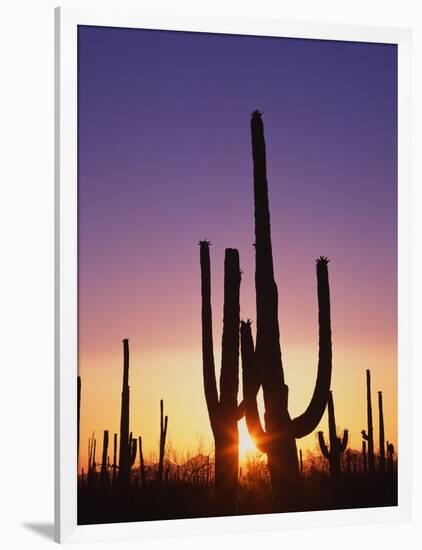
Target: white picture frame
x=66, y=23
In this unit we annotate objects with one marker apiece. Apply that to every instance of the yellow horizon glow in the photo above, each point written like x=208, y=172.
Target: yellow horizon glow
x=176, y=377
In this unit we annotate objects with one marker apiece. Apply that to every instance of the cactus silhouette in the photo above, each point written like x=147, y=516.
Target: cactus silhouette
x=223, y=412
x=381, y=435
x=163, y=434
x=78, y=412
x=337, y=445
x=301, y=462
x=390, y=457
x=124, y=449
x=104, y=473
x=133, y=450
x=265, y=368
x=369, y=435
x=114, y=465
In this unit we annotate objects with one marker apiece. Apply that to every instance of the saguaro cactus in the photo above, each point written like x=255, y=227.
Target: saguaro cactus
x=381, y=434
x=223, y=412
x=369, y=436
x=114, y=465
x=390, y=457
x=163, y=434
x=133, y=450
x=337, y=445
x=104, y=473
x=265, y=367
x=124, y=450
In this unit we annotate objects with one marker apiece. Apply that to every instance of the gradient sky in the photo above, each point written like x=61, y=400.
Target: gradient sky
x=164, y=160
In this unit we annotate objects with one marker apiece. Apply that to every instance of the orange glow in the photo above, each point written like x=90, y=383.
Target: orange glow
x=176, y=376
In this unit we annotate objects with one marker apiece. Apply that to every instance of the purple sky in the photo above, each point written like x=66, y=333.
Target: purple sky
x=165, y=160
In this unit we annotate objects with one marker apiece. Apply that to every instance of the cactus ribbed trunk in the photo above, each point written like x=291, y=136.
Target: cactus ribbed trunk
x=370, y=433
x=124, y=449
x=266, y=369
x=381, y=434
x=224, y=412
x=282, y=452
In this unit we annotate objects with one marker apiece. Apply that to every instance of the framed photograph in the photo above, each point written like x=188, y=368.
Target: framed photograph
x=232, y=275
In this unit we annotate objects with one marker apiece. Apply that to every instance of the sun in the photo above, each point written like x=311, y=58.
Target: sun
x=246, y=444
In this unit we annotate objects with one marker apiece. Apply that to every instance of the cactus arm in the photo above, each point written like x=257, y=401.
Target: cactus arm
x=251, y=387
x=344, y=441
x=323, y=446
x=309, y=420
x=229, y=374
x=364, y=435
x=133, y=452
x=208, y=365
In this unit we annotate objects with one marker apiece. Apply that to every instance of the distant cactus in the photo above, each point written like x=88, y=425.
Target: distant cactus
x=163, y=434
x=300, y=462
x=265, y=367
x=381, y=434
x=369, y=435
x=92, y=465
x=124, y=450
x=337, y=445
x=133, y=450
x=223, y=413
x=103, y=472
x=114, y=465
x=390, y=457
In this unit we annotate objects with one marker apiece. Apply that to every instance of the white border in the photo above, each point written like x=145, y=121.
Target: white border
x=66, y=21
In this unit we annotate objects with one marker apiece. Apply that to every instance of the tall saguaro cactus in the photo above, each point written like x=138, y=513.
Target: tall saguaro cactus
x=369, y=435
x=265, y=367
x=381, y=434
x=124, y=450
x=337, y=445
x=223, y=412
x=163, y=435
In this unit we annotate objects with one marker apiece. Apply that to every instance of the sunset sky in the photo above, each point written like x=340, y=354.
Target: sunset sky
x=164, y=160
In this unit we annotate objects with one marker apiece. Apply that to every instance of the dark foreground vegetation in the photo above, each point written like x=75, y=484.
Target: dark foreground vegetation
x=187, y=490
